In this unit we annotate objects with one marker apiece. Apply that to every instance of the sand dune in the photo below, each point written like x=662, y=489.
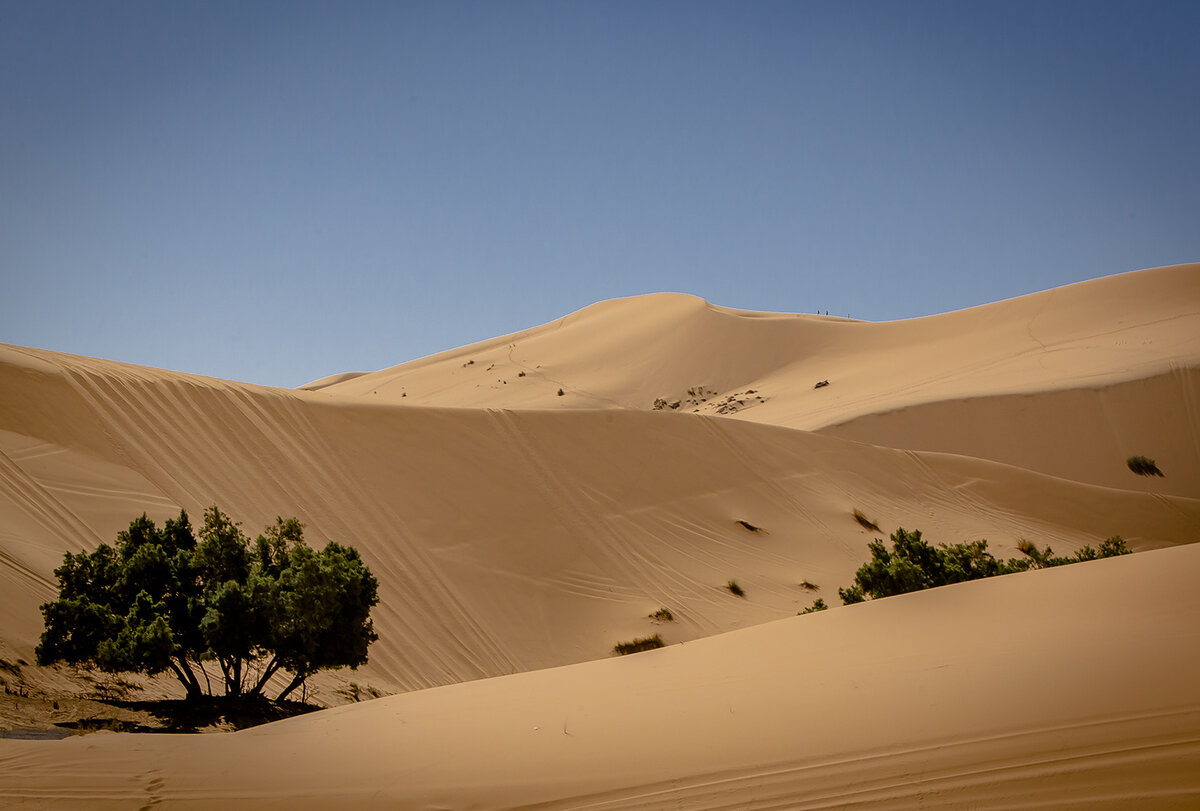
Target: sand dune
x=1083, y=434
x=626, y=353
x=515, y=530
x=1085, y=375
x=507, y=541
x=1031, y=690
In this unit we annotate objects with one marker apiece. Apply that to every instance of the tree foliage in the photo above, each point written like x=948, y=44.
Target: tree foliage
x=172, y=599
x=912, y=564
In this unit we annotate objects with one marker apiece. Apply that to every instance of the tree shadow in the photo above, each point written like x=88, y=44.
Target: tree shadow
x=207, y=714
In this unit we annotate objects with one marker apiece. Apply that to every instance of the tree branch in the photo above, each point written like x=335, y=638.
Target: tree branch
x=296, y=682
x=268, y=672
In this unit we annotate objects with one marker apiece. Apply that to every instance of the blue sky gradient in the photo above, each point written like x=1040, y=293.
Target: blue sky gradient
x=274, y=192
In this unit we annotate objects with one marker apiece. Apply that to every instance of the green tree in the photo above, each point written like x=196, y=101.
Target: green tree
x=163, y=599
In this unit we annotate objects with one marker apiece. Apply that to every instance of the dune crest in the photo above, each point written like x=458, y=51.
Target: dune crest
x=626, y=353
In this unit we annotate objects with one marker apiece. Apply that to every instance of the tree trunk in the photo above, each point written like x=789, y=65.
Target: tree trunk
x=190, y=685
x=296, y=682
x=227, y=672
x=267, y=673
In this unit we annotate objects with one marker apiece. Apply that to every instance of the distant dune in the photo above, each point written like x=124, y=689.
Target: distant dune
x=519, y=530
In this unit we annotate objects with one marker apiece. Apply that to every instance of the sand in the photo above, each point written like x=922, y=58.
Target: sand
x=518, y=534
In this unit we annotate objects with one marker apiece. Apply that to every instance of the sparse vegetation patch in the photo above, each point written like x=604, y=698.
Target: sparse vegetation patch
x=748, y=526
x=735, y=589
x=912, y=564
x=663, y=615
x=818, y=605
x=865, y=522
x=1143, y=466
x=639, y=645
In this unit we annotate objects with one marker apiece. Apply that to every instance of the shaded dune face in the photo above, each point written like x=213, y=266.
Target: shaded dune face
x=515, y=529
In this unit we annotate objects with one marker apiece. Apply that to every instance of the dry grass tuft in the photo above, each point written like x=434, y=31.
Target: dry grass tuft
x=866, y=523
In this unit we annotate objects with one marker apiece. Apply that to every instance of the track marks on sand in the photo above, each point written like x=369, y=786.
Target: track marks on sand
x=1150, y=760
x=259, y=453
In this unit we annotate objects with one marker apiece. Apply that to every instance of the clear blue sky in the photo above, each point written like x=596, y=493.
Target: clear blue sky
x=273, y=192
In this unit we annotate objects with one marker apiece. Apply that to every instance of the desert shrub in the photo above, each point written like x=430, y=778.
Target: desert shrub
x=852, y=594
x=807, y=586
x=746, y=525
x=170, y=599
x=1143, y=466
x=560, y=392
x=912, y=564
x=818, y=605
x=639, y=645
x=735, y=589
x=356, y=693
x=663, y=615
x=865, y=522
x=1045, y=558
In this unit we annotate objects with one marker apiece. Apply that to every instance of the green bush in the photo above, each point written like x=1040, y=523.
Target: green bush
x=639, y=645
x=912, y=564
x=818, y=605
x=1045, y=559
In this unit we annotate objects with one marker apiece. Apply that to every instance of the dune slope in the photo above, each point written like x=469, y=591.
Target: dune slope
x=1029, y=690
x=1070, y=381
x=626, y=353
x=1081, y=434
x=506, y=541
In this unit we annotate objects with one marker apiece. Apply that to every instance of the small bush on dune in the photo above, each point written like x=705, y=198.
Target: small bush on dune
x=1143, y=466
x=639, y=645
x=735, y=589
x=818, y=605
x=663, y=615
